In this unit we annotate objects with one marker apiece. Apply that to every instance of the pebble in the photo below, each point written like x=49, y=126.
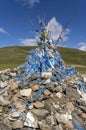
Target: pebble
x=38, y=105
x=13, y=85
x=16, y=114
x=59, y=95
x=70, y=106
x=26, y=92
x=31, y=120
x=17, y=124
x=46, y=75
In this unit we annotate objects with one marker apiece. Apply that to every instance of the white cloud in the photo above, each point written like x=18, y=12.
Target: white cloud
x=28, y=42
x=29, y=3
x=2, y=30
x=82, y=46
x=55, y=28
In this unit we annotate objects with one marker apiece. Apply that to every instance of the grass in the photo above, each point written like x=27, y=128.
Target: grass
x=11, y=57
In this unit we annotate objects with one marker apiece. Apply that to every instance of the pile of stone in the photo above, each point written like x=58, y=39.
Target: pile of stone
x=42, y=104
x=43, y=93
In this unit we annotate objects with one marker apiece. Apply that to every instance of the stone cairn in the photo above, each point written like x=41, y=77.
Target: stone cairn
x=43, y=93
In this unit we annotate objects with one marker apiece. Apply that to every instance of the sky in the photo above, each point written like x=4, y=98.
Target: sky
x=16, y=28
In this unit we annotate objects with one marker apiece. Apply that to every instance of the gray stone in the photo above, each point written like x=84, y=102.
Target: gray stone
x=83, y=108
x=72, y=93
x=17, y=124
x=4, y=127
x=40, y=113
x=77, y=118
x=3, y=77
x=45, y=127
x=50, y=120
x=58, y=127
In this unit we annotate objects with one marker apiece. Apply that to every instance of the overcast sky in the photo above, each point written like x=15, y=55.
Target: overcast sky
x=15, y=28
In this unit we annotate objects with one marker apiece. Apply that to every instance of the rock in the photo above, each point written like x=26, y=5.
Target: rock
x=6, y=121
x=13, y=74
x=50, y=120
x=40, y=113
x=3, y=101
x=69, y=125
x=17, y=124
x=16, y=114
x=64, y=118
x=58, y=89
x=26, y=92
x=47, y=81
x=31, y=106
x=48, y=106
x=45, y=127
x=13, y=85
x=46, y=75
x=35, y=88
x=3, y=84
x=59, y=95
x=83, y=116
x=84, y=78
x=58, y=127
x=1, y=109
x=15, y=98
x=56, y=106
x=20, y=105
x=72, y=93
x=3, y=77
x=6, y=70
x=77, y=118
x=29, y=128
x=4, y=127
x=83, y=108
x=70, y=106
x=47, y=92
x=31, y=120
x=38, y=105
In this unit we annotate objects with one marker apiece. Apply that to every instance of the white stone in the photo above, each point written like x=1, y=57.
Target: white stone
x=84, y=77
x=3, y=84
x=83, y=95
x=47, y=81
x=13, y=74
x=26, y=92
x=64, y=118
x=59, y=95
x=16, y=114
x=46, y=75
x=31, y=121
x=3, y=101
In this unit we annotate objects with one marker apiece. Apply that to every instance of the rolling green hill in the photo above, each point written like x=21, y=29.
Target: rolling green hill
x=11, y=57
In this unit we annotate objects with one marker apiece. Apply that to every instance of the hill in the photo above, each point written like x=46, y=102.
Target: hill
x=11, y=57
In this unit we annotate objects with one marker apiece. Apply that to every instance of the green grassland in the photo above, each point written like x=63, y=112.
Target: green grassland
x=11, y=57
